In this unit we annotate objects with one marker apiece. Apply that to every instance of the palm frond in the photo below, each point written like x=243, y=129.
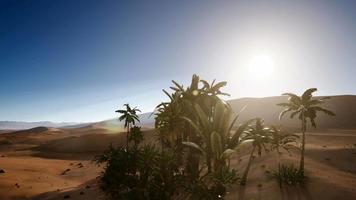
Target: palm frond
x=284, y=112
x=205, y=83
x=195, y=126
x=328, y=112
x=216, y=144
x=294, y=113
x=178, y=86
x=307, y=95
x=314, y=102
x=194, y=146
x=227, y=153
x=285, y=104
x=218, y=86
x=235, y=139
x=169, y=95
x=121, y=111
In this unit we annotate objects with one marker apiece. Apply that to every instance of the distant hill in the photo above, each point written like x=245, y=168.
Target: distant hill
x=344, y=106
x=14, y=125
x=146, y=120
x=39, y=129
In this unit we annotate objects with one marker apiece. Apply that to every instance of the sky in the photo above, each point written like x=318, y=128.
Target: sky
x=79, y=61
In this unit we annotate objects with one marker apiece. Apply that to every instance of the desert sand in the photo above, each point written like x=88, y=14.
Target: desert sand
x=48, y=163
x=51, y=163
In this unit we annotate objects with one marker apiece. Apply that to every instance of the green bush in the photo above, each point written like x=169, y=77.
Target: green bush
x=210, y=186
x=145, y=172
x=136, y=135
x=139, y=173
x=288, y=174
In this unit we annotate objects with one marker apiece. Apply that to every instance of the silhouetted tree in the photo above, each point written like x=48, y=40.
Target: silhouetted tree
x=129, y=115
x=260, y=136
x=219, y=141
x=306, y=108
x=136, y=135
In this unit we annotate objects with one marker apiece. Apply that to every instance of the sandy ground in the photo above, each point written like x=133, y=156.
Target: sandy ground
x=55, y=164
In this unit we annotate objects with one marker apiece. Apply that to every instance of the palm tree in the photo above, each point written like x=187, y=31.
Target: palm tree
x=219, y=141
x=305, y=107
x=168, y=122
x=280, y=140
x=136, y=135
x=171, y=127
x=259, y=135
x=130, y=116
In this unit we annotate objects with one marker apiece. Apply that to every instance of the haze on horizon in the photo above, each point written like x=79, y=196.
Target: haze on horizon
x=78, y=61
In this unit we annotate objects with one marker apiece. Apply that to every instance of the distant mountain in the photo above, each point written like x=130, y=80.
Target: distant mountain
x=14, y=125
x=344, y=106
x=146, y=121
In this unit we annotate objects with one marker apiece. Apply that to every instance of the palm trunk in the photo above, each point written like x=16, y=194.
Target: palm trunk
x=208, y=161
x=279, y=156
x=127, y=136
x=301, y=166
x=162, y=145
x=244, y=178
x=192, y=166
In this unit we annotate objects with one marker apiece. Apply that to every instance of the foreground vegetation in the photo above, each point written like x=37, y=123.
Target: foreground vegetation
x=198, y=133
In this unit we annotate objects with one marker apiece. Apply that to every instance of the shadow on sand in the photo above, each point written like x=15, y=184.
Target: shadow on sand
x=286, y=193
x=87, y=190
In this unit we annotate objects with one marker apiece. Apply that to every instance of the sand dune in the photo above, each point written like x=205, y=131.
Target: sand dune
x=34, y=161
x=44, y=163
x=266, y=108
x=37, y=161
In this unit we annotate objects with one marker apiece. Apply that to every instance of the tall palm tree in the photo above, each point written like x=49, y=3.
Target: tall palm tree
x=260, y=136
x=130, y=116
x=219, y=141
x=168, y=122
x=305, y=107
x=171, y=127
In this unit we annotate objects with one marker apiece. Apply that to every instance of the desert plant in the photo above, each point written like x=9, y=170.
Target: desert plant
x=211, y=186
x=259, y=135
x=288, y=174
x=306, y=108
x=136, y=135
x=169, y=115
x=219, y=142
x=218, y=139
x=140, y=173
x=170, y=126
x=197, y=120
x=168, y=123
x=281, y=140
x=130, y=116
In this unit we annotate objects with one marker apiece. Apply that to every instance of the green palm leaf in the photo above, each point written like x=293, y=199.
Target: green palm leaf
x=284, y=112
x=194, y=146
x=307, y=95
x=328, y=112
x=216, y=145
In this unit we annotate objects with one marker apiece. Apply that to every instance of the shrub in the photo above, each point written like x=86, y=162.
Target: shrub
x=146, y=172
x=136, y=135
x=288, y=174
x=139, y=173
x=211, y=186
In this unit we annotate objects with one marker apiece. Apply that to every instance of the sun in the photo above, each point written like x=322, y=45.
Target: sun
x=261, y=66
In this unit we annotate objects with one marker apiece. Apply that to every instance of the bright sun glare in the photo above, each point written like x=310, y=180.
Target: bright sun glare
x=261, y=66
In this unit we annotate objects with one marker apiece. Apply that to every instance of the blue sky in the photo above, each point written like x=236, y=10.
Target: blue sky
x=80, y=60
